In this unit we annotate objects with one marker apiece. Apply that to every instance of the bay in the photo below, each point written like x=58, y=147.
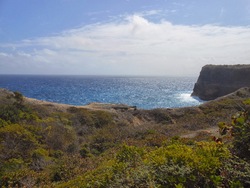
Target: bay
x=143, y=92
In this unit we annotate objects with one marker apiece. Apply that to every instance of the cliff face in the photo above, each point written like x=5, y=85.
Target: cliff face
x=219, y=80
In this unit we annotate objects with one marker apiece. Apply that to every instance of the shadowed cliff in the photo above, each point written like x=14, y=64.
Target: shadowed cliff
x=219, y=80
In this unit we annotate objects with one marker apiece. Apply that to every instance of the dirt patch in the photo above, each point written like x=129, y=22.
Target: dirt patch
x=212, y=131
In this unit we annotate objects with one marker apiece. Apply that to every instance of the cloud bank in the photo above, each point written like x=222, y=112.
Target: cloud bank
x=130, y=46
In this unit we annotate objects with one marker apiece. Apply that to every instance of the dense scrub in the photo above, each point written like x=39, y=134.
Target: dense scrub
x=96, y=148
x=172, y=164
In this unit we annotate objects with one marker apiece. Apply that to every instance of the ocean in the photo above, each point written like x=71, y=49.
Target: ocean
x=143, y=92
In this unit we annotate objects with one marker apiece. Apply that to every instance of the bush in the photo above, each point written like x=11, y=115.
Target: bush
x=95, y=119
x=130, y=154
x=84, y=152
x=239, y=129
x=191, y=166
x=16, y=142
x=235, y=172
x=14, y=113
x=241, y=134
x=3, y=123
x=9, y=113
x=40, y=159
x=19, y=98
x=61, y=138
x=172, y=165
x=102, y=118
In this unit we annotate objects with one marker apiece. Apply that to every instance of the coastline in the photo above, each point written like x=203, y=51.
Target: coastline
x=143, y=92
x=179, y=121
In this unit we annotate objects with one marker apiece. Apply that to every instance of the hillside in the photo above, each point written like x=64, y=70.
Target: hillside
x=46, y=144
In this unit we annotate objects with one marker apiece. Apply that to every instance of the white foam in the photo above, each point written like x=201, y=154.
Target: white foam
x=186, y=97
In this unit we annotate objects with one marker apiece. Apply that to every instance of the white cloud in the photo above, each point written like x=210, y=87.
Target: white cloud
x=133, y=45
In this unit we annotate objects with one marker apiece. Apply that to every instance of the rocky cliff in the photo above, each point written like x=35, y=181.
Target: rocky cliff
x=219, y=80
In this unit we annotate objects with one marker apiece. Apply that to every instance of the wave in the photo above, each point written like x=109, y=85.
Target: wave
x=187, y=98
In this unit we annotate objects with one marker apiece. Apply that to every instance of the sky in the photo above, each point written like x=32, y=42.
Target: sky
x=122, y=37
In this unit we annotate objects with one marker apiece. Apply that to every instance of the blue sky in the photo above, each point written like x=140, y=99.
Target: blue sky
x=122, y=37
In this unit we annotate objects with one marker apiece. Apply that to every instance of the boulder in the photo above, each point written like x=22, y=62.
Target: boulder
x=219, y=80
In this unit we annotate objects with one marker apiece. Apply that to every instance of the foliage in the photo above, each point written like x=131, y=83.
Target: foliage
x=16, y=112
x=246, y=102
x=85, y=152
x=97, y=119
x=160, y=116
x=61, y=138
x=16, y=142
x=167, y=166
x=3, y=123
x=42, y=147
x=239, y=129
x=19, y=98
x=235, y=172
x=241, y=134
x=188, y=165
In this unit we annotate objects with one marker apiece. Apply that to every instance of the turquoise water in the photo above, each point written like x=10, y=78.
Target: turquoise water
x=143, y=92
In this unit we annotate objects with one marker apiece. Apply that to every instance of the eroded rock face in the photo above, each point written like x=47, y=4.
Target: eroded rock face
x=219, y=80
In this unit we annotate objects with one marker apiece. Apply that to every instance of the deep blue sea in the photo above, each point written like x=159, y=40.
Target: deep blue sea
x=143, y=92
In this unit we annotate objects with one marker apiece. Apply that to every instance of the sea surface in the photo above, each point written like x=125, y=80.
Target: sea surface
x=143, y=92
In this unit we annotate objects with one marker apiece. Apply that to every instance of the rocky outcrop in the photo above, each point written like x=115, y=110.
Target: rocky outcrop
x=219, y=80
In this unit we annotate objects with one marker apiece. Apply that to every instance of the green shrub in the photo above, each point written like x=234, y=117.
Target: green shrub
x=40, y=159
x=173, y=165
x=188, y=165
x=61, y=138
x=239, y=129
x=241, y=134
x=85, y=117
x=104, y=138
x=19, y=98
x=235, y=172
x=130, y=154
x=85, y=152
x=102, y=118
x=16, y=142
x=14, y=113
x=101, y=141
x=247, y=102
x=9, y=113
x=96, y=119
x=3, y=123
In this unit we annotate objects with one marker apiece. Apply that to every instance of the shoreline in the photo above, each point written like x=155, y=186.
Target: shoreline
x=145, y=93
x=183, y=121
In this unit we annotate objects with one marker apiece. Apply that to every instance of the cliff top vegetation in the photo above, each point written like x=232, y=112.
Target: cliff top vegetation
x=45, y=144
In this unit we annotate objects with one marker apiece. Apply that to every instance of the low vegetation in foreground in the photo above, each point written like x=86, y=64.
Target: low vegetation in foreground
x=43, y=146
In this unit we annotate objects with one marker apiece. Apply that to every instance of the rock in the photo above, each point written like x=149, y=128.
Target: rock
x=219, y=80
